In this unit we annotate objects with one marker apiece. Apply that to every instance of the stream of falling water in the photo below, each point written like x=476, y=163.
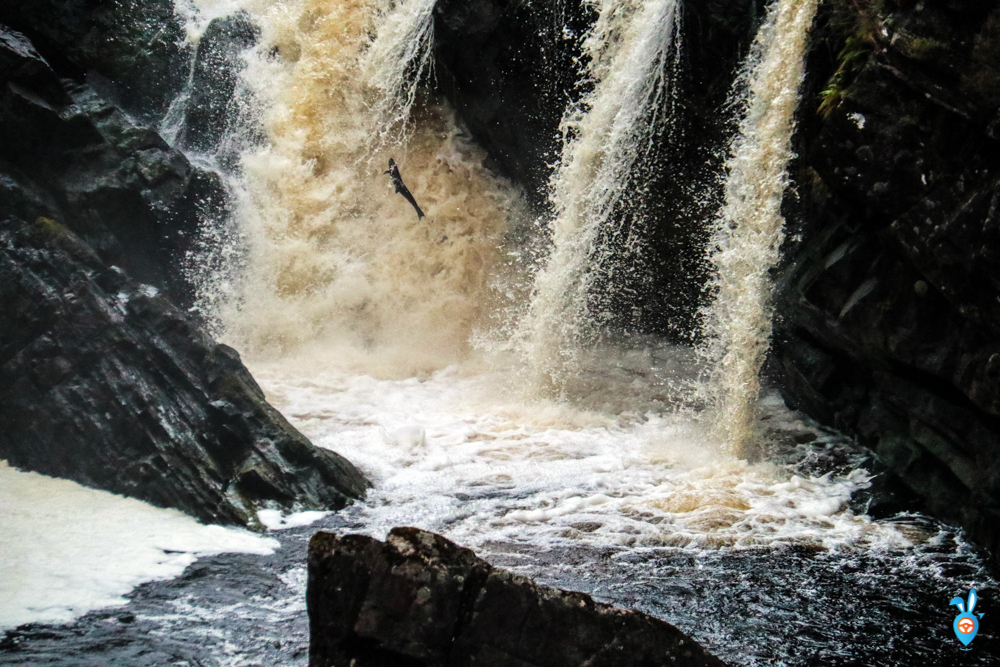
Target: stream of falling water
x=332, y=257
x=355, y=317
x=747, y=241
x=633, y=50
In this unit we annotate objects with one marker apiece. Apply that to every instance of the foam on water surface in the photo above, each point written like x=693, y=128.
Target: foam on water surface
x=456, y=452
x=67, y=549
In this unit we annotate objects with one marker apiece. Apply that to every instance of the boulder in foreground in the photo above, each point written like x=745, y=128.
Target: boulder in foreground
x=419, y=600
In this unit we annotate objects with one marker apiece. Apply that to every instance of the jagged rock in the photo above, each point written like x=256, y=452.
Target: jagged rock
x=138, y=202
x=889, y=316
x=102, y=381
x=138, y=46
x=507, y=67
x=418, y=599
x=211, y=105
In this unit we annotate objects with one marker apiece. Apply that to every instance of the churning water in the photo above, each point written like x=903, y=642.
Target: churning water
x=357, y=319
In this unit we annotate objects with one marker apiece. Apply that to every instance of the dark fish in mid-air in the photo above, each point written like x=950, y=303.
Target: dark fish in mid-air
x=401, y=188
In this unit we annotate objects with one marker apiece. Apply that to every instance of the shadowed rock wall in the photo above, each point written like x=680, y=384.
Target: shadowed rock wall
x=116, y=183
x=135, y=48
x=102, y=380
x=889, y=308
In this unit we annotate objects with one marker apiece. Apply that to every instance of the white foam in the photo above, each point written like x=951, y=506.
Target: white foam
x=197, y=14
x=67, y=549
x=275, y=520
x=455, y=453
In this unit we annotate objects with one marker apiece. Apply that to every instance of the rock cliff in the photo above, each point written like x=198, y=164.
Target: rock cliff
x=102, y=379
x=889, y=307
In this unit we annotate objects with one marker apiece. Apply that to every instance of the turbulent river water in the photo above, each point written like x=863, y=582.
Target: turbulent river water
x=414, y=348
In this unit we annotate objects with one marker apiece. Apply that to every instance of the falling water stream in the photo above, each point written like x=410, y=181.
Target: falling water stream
x=632, y=49
x=358, y=320
x=748, y=237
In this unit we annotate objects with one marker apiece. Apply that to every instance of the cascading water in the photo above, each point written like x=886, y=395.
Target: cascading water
x=748, y=237
x=342, y=302
x=331, y=253
x=632, y=49
x=396, y=64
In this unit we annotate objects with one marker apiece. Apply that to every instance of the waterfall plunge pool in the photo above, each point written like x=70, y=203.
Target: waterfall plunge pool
x=771, y=562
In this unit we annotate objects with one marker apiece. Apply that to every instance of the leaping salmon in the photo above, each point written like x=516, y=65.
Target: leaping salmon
x=401, y=188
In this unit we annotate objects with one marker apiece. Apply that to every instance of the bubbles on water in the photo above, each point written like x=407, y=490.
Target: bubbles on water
x=457, y=452
x=67, y=549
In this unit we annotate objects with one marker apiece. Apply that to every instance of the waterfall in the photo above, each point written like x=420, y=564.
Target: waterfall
x=748, y=234
x=633, y=49
x=330, y=256
x=397, y=62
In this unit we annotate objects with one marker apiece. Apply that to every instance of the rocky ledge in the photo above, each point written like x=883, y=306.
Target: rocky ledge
x=102, y=379
x=418, y=599
x=889, y=307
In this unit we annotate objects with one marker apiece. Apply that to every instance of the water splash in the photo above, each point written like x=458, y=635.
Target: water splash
x=633, y=50
x=397, y=62
x=328, y=254
x=745, y=245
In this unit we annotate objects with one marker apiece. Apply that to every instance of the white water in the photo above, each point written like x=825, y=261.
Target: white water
x=330, y=255
x=633, y=50
x=356, y=317
x=397, y=63
x=453, y=453
x=747, y=241
x=67, y=549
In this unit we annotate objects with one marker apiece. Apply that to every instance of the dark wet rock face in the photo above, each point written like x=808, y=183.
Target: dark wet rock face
x=418, y=599
x=889, y=316
x=103, y=382
x=135, y=46
x=116, y=183
x=508, y=67
x=213, y=100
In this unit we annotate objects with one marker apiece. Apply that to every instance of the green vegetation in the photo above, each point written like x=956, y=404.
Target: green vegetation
x=924, y=48
x=51, y=227
x=857, y=23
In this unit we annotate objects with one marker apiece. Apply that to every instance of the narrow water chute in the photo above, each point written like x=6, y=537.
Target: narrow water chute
x=633, y=50
x=748, y=234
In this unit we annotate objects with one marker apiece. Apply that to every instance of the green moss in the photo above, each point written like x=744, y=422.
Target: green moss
x=51, y=227
x=855, y=25
x=852, y=59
